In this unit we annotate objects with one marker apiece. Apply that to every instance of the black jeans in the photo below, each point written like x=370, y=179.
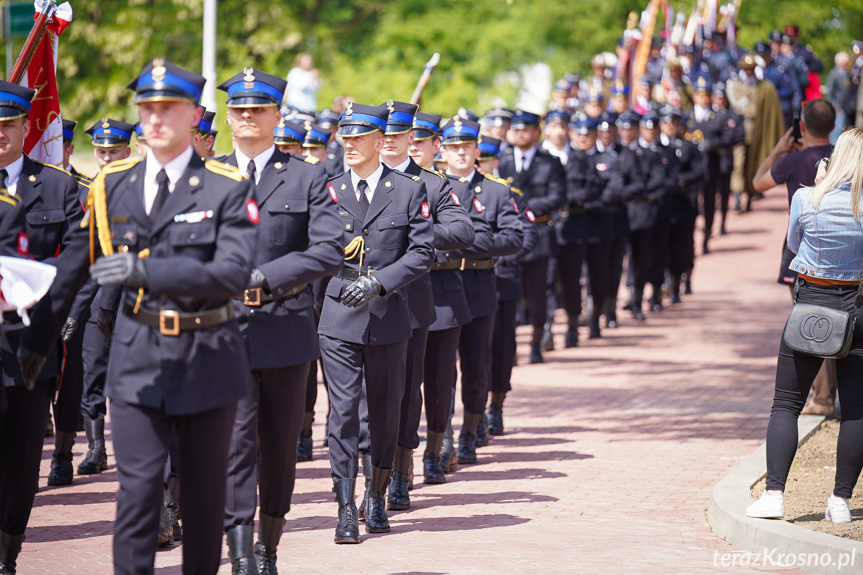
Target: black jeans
x=794, y=375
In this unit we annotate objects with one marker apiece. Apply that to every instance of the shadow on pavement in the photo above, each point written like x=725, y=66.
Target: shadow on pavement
x=70, y=532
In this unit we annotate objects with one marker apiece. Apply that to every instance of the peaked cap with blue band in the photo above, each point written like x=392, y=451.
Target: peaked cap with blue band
x=69, y=129
x=161, y=80
x=581, y=123
x=460, y=131
x=401, y=117
x=489, y=148
x=205, y=126
x=607, y=122
x=289, y=132
x=498, y=116
x=107, y=133
x=327, y=118
x=360, y=119
x=523, y=118
x=14, y=100
x=316, y=135
x=426, y=126
x=252, y=88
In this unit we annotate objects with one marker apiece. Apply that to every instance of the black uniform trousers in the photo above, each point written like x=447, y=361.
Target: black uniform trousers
x=312, y=384
x=141, y=436
x=659, y=257
x=474, y=351
x=534, y=278
x=711, y=189
x=67, y=404
x=640, y=256
x=440, y=373
x=412, y=398
x=616, y=252
x=96, y=352
x=268, y=421
x=571, y=259
x=681, y=252
x=22, y=432
x=503, y=346
x=384, y=370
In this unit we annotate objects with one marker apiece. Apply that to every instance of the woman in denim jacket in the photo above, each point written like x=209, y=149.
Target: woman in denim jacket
x=826, y=233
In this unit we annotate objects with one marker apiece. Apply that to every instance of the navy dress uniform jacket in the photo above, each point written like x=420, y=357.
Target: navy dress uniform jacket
x=452, y=231
x=507, y=269
x=592, y=189
x=52, y=223
x=690, y=173
x=399, y=247
x=297, y=243
x=492, y=199
x=646, y=199
x=544, y=185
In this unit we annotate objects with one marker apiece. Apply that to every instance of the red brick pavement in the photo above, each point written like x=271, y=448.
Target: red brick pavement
x=606, y=467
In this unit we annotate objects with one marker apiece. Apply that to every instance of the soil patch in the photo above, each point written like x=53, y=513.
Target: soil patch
x=810, y=483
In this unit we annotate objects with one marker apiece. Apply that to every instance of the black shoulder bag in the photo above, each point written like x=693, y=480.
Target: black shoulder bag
x=819, y=330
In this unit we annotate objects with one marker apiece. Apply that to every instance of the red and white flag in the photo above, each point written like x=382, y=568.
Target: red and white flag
x=45, y=141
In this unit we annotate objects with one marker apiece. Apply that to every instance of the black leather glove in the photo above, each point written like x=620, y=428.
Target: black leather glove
x=125, y=268
x=68, y=329
x=257, y=280
x=362, y=291
x=31, y=364
x=105, y=322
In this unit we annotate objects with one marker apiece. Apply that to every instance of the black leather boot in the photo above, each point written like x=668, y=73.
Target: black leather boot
x=347, y=529
x=172, y=504
x=367, y=472
x=10, y=547
x=448, y=459
x=674, y=297
x=495, y=414
x=467, y=438
x=166, y=531
x=376, y=514
x=96, y=460
x=635, y=304
x=547, y=341
x=240, y=550
x=304, y=444
x=482, y=436
x=571, y=338
x=432, y=472
x=399, y=499
x=61, y=459
x=687, y=282
x=536, y=345
x=269, y=534
x=595, y=333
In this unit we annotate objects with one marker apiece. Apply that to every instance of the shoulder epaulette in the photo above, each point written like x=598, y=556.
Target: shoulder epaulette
x=226, y=170
x=435, y=172
x=311, y=160
x=516, y=190
x=8, y=198
x=498, y=180
x=59, y=169
x=85, y=183
x=119, y=166
x=416, y=178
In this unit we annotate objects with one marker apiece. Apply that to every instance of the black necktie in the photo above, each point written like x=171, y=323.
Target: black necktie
x=3, y=175
x=251, y=170
x=364, y=200
x=161, y=195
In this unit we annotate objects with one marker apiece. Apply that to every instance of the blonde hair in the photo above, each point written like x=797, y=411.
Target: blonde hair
x=846, y=164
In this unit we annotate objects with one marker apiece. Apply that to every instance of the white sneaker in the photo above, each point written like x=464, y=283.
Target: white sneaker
x=770, y=506
x=838, y=510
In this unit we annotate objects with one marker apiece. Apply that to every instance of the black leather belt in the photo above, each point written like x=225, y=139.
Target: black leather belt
x=255, y=297
x=448, y=265
x=353, y=274
x=477, y=264
x=171, y=322
x=542, y=219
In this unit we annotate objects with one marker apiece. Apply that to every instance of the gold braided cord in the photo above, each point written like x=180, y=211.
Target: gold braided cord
x=356, y=247
x=143, y=254
x=97, y=203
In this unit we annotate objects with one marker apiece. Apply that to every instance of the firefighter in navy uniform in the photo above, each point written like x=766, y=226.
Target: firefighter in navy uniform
x=453, y=230
x=365, y=321
x=296, y=245
x=492, y=199
x=69, y=127
x=542, y=179
x=289, y=136
x=734, y=134
x=684, y=187
x=49, y=198
x=508, y=282
x=177, y=232
x=335, y=162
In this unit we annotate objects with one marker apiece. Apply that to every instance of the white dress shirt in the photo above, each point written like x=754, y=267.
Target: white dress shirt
x=174, y=169
x=13, y=172
x=401, y=167
x=372, y=181
x=701, y=114
x=523, y=159
x=260, y=161
x=562, y=154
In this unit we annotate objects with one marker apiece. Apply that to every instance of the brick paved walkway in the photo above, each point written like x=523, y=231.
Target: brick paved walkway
x=610, y=453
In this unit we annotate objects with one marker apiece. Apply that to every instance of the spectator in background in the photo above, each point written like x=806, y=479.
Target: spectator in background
x=303, y=84
x=794, y=164
x=837, y=91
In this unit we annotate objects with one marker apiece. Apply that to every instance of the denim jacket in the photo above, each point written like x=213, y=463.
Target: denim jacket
x=828, y=240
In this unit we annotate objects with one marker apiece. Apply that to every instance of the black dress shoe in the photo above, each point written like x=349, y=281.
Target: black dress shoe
x=304, y=446
x=482, y=435
x=536, y=353
x=347, y=529
x=376, y=514
x=571, y=338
